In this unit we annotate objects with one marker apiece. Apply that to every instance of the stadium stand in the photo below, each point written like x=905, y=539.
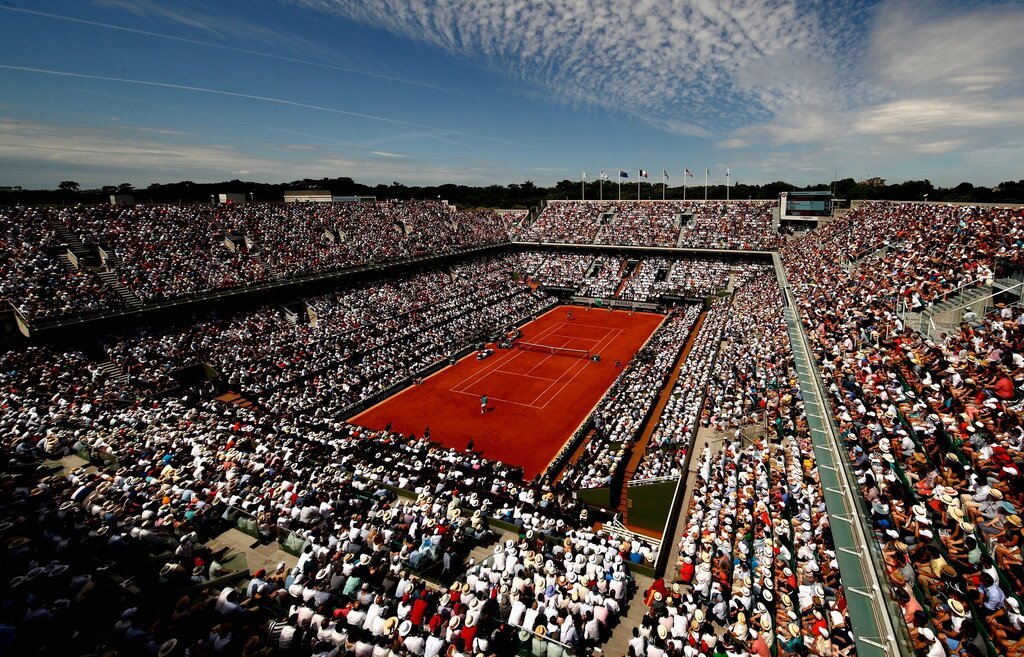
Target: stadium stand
x=693, y=224
x=162, y=252
x=122, y=469
x=932, y=428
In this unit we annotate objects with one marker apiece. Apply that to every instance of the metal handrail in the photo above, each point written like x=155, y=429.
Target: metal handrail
x=649, y=480
x=884, y=611
x=945, y=295
x=882, y=606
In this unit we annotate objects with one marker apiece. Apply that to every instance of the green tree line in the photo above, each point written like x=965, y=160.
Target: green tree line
x=515, y=195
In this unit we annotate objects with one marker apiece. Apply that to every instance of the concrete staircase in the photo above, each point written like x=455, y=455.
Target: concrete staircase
x=679, y=239
x=946, y=314
x=111, y=280
x=65, y=260
x=74, y=244
x=66, y=236
x=275, y=273
x=235, y=399
x=114, y=373
x=625, y=279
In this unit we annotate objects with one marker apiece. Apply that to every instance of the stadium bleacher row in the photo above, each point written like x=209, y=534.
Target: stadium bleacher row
x=154, y=253
x=693, y=224
x=933, y=428
x=93, y=260
x=405, y=547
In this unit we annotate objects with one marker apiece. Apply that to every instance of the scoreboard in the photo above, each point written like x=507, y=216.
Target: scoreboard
x=794, y=205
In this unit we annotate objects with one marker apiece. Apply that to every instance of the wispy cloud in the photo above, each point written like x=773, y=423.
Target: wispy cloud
x=675, y=65
x=833, y=81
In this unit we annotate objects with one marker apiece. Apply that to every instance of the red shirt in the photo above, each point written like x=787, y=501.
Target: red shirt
x=1004, y=387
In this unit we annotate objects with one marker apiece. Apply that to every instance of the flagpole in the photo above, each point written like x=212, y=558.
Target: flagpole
x=583, y=187
x=600, y=187
x=619, y=178
x=638, y=184
x=706, y=172
x=726, y=183
x=684, y=184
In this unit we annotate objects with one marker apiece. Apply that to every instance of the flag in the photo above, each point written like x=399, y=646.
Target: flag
x=584, y=175
x=623, y=174
x=643, y=174
x=726, y=172
x=664, y=173
x=688, y=173
x=604, y=176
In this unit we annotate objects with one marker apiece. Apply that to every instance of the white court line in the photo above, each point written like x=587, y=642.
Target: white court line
x=507, y=401
x=564, y=385
x=585, y=366
x=532, y=404
x=507, y=358
x=575, y=337
x=551, y=355
x=570, y=338
x=529, y=376
x=606, y=328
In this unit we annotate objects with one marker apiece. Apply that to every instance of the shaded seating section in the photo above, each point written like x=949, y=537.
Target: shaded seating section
x=363, y=340
x=35, y=280
x=166, y=252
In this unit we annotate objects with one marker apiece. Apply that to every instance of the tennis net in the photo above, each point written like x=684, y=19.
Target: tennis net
x=553, y=350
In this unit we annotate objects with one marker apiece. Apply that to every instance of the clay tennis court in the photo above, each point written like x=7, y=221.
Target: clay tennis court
x=536, y=399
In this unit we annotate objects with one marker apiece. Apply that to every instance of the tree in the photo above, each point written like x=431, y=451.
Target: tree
x=69, y=186
x=125, y=188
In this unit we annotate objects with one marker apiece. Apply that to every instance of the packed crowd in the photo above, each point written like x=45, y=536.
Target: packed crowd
x=693, y=224
x=365, y=338
x=573, y=222
x=650, y=223
x=932, y=428
x=605, y=278
x=644, y=278
x=621, y=415
x=755, y=362
x=639, y=284
x=730, y=225
x=32, y=277
x=162, y=252
x=178, y=472
x=165, y=252
x=666, y=449
x=757, y=571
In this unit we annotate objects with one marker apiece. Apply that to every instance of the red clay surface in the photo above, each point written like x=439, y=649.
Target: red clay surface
x=535, y=400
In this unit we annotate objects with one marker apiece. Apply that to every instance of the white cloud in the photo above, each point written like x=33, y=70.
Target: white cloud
x=917, y=115
x=676, y=65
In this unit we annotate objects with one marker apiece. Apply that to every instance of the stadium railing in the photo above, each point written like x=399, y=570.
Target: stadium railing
x=876, y=620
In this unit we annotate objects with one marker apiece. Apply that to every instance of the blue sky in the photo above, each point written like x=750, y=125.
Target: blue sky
x=499, y=91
